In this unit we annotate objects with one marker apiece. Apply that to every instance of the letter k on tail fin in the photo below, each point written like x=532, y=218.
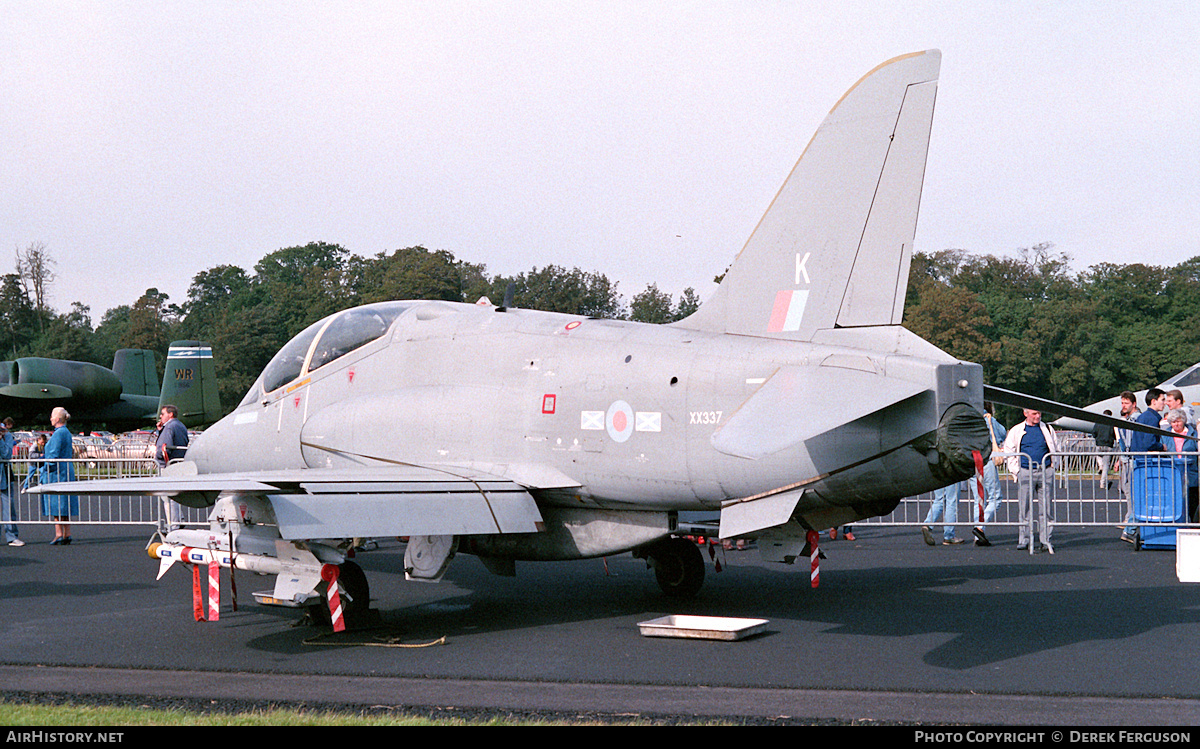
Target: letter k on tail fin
x=833, y=249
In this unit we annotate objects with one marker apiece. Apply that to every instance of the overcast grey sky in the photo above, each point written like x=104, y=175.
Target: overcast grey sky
x=144, y=142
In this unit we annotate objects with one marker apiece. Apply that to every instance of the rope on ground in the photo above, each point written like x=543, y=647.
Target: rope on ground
x=381, y=642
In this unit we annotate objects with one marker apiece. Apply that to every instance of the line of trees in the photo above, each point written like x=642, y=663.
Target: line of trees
x=1034, y=324
x=1039, y=328
x=248, y=316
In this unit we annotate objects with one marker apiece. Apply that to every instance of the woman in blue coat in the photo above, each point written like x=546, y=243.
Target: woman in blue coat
x=60, y=450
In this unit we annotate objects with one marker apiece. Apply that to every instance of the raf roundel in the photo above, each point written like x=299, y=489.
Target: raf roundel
x=619, y=421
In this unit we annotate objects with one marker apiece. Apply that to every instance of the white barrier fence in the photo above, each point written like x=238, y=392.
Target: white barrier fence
x=1090, y=488
x=33, y=509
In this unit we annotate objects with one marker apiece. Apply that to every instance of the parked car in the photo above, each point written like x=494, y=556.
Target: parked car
x=90, y=447
x=23, y=440
x=135, y=445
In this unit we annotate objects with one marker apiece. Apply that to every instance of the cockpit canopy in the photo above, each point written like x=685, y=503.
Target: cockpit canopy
x=327, y=340
x=1187, y=378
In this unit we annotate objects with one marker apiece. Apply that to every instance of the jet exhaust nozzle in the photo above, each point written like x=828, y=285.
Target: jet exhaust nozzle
x=961, y=434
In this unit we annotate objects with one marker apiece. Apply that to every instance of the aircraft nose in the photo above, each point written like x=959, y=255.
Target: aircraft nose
x=961, y=433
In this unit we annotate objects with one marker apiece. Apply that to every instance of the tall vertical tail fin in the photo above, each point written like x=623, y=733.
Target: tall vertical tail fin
x=190, y=383
x=834, y=247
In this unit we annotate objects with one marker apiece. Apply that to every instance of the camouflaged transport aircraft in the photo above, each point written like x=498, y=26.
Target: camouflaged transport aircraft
x=122, y=398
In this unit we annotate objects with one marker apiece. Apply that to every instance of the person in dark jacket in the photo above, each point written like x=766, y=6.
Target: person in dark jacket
x=172, y=438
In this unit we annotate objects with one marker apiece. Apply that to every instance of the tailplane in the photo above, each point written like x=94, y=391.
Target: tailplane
x=834, y=247
x=190, y=383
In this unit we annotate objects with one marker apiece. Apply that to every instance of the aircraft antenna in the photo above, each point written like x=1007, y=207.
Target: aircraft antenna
x=508, y=296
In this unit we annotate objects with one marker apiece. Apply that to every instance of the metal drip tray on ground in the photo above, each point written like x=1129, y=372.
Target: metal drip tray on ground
x=702, y=627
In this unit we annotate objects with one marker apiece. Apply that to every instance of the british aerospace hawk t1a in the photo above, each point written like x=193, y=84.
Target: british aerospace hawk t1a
x=517, y=435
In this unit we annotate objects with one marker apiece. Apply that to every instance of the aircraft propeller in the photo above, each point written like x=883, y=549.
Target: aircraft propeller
x=1022, y=400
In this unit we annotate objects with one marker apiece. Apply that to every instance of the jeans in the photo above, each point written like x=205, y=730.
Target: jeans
x=945, y=500
x=8, y=511
x=991, y=490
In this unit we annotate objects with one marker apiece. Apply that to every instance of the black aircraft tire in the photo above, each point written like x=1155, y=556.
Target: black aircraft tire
x=354, y=582
x=351, y=576
x=678, y=567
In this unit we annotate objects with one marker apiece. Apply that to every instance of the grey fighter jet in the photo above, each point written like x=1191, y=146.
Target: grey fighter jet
x=517, y=435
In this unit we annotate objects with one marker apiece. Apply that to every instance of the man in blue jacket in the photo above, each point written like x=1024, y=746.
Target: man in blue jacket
x=172, y=436
x=1143, y=442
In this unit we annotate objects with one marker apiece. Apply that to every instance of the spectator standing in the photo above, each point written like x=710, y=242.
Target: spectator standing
x=945, y=502
x=1144, y=442
x=8, y=494
x=991, y=476
x=60, y=451
x=172, y=439
x=1184, y=444
x=1129, y=412
x=1032, y=444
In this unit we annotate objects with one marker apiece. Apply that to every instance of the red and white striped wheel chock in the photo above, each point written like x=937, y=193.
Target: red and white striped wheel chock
x=197, y=594
x=979, y=480
x=329, y=573
x=814, y=555
x=214, y=591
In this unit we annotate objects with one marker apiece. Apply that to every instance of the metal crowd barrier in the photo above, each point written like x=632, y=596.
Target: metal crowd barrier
x=1090, y=488
x=97, y=510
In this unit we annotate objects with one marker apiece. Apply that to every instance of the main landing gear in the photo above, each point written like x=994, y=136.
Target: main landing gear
x=678, y=566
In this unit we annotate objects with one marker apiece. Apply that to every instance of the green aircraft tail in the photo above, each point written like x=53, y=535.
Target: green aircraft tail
x=137, y=371
x=190, y=383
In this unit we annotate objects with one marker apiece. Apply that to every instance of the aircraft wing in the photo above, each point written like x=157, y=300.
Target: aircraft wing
x=398, y=500
x=36, y=391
